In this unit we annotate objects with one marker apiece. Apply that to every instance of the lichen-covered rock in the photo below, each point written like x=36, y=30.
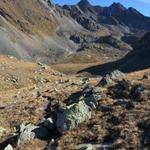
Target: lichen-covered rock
x=73, y=116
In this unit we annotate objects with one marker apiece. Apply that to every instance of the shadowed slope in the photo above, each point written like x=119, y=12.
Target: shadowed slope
x=136, y=60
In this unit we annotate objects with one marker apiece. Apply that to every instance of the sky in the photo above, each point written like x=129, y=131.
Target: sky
x=141, y=5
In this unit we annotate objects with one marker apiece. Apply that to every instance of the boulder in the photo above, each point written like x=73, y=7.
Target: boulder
x=72, y=116
x=116, y=75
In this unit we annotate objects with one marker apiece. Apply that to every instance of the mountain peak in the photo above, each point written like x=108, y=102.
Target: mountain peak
x=134, y=11
x=84, y=3
x=118, y=6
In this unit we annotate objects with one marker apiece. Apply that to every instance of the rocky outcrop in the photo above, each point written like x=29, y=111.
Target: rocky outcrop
x=108, y=79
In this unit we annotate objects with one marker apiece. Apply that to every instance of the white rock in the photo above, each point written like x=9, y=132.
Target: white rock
x=8, y=147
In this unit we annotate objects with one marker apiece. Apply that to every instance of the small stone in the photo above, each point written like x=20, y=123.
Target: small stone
x=49, y=124
x=146, y=77
x=8, y=147
x=2, y=131
x=84, y=147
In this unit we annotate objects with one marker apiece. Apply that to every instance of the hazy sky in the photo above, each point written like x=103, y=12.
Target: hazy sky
x=141, y=5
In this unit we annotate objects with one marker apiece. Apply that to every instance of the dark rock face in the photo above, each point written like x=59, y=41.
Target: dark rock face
x=82, y=18
x=112, y=42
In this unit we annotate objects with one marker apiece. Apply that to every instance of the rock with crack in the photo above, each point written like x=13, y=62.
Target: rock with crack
x=73, y=116
x=29, y=132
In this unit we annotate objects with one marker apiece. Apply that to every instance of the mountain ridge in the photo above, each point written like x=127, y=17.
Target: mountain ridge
x=42, y=31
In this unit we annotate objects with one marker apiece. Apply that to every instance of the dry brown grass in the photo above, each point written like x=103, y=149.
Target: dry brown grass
x=21, y=105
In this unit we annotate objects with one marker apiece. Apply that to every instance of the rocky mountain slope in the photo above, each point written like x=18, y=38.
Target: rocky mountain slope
x=42, y=31
x=137, y=59
x=28, y=30
x=91, y=17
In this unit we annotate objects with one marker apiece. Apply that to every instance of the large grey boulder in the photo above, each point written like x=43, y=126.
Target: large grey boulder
x=72, y=116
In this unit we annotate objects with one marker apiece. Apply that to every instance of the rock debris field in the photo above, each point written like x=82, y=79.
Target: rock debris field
x=43, y=109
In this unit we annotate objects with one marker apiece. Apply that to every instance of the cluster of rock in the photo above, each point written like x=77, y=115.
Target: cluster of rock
x=108, y=79
x=124, y=94
x=79, y=112
x=67, y=118
x=124, y=89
